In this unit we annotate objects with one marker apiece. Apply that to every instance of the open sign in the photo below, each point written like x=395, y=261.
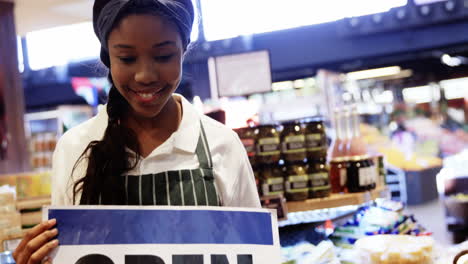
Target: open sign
x=165, y=235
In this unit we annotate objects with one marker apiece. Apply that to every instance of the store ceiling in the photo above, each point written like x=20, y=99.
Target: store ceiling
x=31, y=15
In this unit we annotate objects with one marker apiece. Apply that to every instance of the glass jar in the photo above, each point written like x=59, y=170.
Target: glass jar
x=316, y=139
x=248, y=135
x=268, y=144
x=359, y=174
x=339, y=174
x=272, y=179
x=296, y=181
x=319, y=178
x=293, y=142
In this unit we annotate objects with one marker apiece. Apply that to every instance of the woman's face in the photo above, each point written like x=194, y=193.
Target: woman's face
x=146, y=55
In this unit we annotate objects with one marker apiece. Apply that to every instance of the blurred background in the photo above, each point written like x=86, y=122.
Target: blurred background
x=362, y=83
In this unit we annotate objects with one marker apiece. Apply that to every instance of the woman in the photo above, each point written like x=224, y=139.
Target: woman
x=148, y=146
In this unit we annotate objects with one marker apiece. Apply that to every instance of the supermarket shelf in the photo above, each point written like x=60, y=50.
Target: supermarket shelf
x=337, y=200
x=33, y=203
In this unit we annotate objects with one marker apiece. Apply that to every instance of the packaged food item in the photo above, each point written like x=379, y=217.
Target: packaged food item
x=293, y=141
x=268, y=144
x=296, y=181
x=361, y=174
x=272, y=179
x=338, y=174
x=319, y=178
x=50, y=142
x=248, y=135
x=395, y=249
x=316, y=139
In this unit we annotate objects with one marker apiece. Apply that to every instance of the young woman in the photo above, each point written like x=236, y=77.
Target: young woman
x=147, y=146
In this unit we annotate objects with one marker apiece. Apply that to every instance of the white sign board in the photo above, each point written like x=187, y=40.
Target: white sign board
x=165, y=235
x=243, y=74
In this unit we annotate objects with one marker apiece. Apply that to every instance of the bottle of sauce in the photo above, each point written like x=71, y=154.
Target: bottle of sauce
x=339, y=174
x=338, y=146
x=348, y=133
x=356, y=145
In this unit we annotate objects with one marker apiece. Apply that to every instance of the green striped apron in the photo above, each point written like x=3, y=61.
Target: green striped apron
x=178, y=188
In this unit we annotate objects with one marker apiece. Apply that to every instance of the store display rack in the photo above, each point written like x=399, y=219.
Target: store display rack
x=338, y=200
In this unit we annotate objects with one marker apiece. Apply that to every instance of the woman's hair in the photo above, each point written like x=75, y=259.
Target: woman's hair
x=95, y=259
x=109, y=158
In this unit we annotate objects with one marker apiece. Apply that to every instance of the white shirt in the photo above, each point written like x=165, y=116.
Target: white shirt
x=233, y=174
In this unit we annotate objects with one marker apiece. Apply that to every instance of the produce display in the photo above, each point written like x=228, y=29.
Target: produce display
x=394, y=155
x=28, y=185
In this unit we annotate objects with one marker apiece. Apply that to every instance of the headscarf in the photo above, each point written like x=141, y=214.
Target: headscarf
x=180, y=12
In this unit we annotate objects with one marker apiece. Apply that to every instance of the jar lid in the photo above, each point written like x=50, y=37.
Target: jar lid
x=290, y=123
x=340, y=159
x=360, y=157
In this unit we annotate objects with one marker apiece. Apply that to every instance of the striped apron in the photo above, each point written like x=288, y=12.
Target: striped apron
x=178, y=188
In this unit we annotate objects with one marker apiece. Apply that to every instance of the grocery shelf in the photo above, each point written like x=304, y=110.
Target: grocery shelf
x=337, y=200
x=33, y=203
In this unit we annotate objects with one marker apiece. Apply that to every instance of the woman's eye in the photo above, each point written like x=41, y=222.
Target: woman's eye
x=127, y=60
x=163, y=58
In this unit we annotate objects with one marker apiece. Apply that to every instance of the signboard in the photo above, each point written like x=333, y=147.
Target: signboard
x=165, y=235
x=242, y=74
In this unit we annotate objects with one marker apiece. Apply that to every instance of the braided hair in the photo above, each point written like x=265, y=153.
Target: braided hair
x=109, y=158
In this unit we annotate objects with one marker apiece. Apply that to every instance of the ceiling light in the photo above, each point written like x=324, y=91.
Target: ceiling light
x=401, y=14
x=374, y=73
x=425, y=10
x=450, y=5
x=451, y=61
x=377, y=18
x=354, y=22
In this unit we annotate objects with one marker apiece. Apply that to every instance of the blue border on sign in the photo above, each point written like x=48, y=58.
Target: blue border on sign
x=117, y=226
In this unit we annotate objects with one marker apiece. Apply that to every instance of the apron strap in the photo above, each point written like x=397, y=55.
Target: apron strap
x=203, y=151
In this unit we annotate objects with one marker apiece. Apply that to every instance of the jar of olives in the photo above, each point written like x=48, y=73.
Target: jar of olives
x=268, y=144
x=316, y=139
x=293, y=142
x=319, y=178
x=272, y=179
x=296, y=181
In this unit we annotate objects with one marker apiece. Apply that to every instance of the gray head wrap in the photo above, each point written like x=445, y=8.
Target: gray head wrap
x=172, y=8
x=106, y=19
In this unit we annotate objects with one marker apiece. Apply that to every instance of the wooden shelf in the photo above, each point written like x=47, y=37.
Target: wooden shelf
x=337, y=200
x=33, y=203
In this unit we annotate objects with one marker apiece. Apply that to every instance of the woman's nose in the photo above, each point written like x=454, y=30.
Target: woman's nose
x=146, y=74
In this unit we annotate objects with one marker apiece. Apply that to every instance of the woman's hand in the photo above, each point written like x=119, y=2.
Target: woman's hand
x=37, y=244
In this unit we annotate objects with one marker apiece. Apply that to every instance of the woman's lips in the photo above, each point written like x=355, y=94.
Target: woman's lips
x=147, y=96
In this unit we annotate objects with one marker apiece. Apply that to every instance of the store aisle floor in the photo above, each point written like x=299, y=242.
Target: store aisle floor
x=431, y=215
